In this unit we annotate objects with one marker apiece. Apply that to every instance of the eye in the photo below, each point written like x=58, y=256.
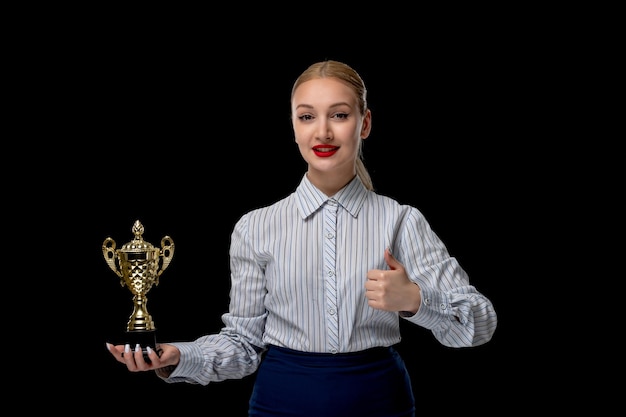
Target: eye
x=305, y=117
x=340, y=115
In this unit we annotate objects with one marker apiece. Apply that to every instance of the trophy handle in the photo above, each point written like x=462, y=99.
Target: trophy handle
x=108, y=250
x=167, y=252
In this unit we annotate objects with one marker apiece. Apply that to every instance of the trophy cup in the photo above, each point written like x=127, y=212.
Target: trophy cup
x=139, y=266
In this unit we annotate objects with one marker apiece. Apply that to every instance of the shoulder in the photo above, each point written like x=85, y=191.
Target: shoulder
x=377, y=198
x=277, y=207
x=393, y=207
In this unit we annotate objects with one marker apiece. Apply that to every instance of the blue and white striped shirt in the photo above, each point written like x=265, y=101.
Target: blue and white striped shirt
x=286, y=292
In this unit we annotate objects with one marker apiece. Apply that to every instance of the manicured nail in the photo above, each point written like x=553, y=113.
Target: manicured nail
x=127, y=348
x=137, y=348
x=149, y=350
x=108, y=346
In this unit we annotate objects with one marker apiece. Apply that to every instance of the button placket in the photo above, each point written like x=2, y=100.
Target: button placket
x=330, y=247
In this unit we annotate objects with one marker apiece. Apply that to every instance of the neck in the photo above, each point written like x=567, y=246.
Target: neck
x=329, y=184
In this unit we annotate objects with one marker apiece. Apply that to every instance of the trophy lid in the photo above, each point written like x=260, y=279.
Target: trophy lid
x=137, y=244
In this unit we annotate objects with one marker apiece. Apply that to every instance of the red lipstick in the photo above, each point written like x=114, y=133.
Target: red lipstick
x=325, y=151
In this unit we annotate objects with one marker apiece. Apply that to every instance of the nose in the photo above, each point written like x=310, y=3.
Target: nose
x=324, y=132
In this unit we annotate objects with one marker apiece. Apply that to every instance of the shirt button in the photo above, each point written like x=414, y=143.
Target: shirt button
x=443, y=306
x=329, y=235
x=331, y=311
x=427, y=301
x=333, y=350
x=331, y=273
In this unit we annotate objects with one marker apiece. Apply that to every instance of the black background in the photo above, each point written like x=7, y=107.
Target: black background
x=187, y=130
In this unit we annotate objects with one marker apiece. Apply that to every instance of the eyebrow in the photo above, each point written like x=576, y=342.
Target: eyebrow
x=308, y=106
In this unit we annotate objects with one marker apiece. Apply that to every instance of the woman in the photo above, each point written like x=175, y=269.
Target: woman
x=321, y=279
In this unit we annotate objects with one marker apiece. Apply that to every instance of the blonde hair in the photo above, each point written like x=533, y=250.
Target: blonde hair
x=344, y=73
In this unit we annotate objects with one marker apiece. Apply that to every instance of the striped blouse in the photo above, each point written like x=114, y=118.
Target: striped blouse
x=298, y=273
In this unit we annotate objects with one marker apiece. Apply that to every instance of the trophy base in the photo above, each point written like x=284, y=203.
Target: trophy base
x=143, y=338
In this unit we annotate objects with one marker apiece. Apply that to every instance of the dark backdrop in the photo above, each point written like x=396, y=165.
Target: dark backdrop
x=186, y=136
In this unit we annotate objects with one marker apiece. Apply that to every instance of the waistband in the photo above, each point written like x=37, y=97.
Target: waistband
x=379, y=352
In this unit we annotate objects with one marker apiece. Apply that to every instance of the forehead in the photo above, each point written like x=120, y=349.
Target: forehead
x=323, y=90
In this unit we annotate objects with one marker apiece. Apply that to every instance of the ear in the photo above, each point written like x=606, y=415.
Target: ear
x=366, y=128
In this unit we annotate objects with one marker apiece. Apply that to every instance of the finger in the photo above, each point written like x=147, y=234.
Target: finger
x=392, y=262
x=124, y=357
x=153, y=355
x=118, y=353
x=139, y=355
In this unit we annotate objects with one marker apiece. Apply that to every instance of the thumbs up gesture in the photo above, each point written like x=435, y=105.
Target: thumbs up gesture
x=391, y=289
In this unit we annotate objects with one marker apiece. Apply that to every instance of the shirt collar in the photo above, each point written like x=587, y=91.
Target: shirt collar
x=309, y=199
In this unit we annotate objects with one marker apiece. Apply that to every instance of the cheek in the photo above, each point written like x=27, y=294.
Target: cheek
x=300, y=134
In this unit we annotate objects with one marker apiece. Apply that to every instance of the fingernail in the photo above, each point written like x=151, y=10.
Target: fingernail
x=137, y=348
x=127, y=348
x=149, y=350
x=108, y=346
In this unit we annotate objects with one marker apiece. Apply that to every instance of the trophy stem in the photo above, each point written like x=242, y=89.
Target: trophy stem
x=140, y=320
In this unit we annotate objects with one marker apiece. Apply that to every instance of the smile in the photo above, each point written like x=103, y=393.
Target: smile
x=325, y=151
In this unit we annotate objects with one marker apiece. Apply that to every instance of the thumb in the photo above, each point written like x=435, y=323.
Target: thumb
x=391, y=260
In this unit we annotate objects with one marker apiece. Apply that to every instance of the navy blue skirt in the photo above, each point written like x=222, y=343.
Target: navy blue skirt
x=371, y=383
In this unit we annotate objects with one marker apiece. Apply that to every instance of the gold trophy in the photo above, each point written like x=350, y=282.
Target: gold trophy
x=139, y=266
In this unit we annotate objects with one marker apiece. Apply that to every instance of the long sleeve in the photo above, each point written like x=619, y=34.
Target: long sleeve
x=455, y=311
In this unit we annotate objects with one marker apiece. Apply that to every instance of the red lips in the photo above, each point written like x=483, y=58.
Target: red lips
x=325, y=151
